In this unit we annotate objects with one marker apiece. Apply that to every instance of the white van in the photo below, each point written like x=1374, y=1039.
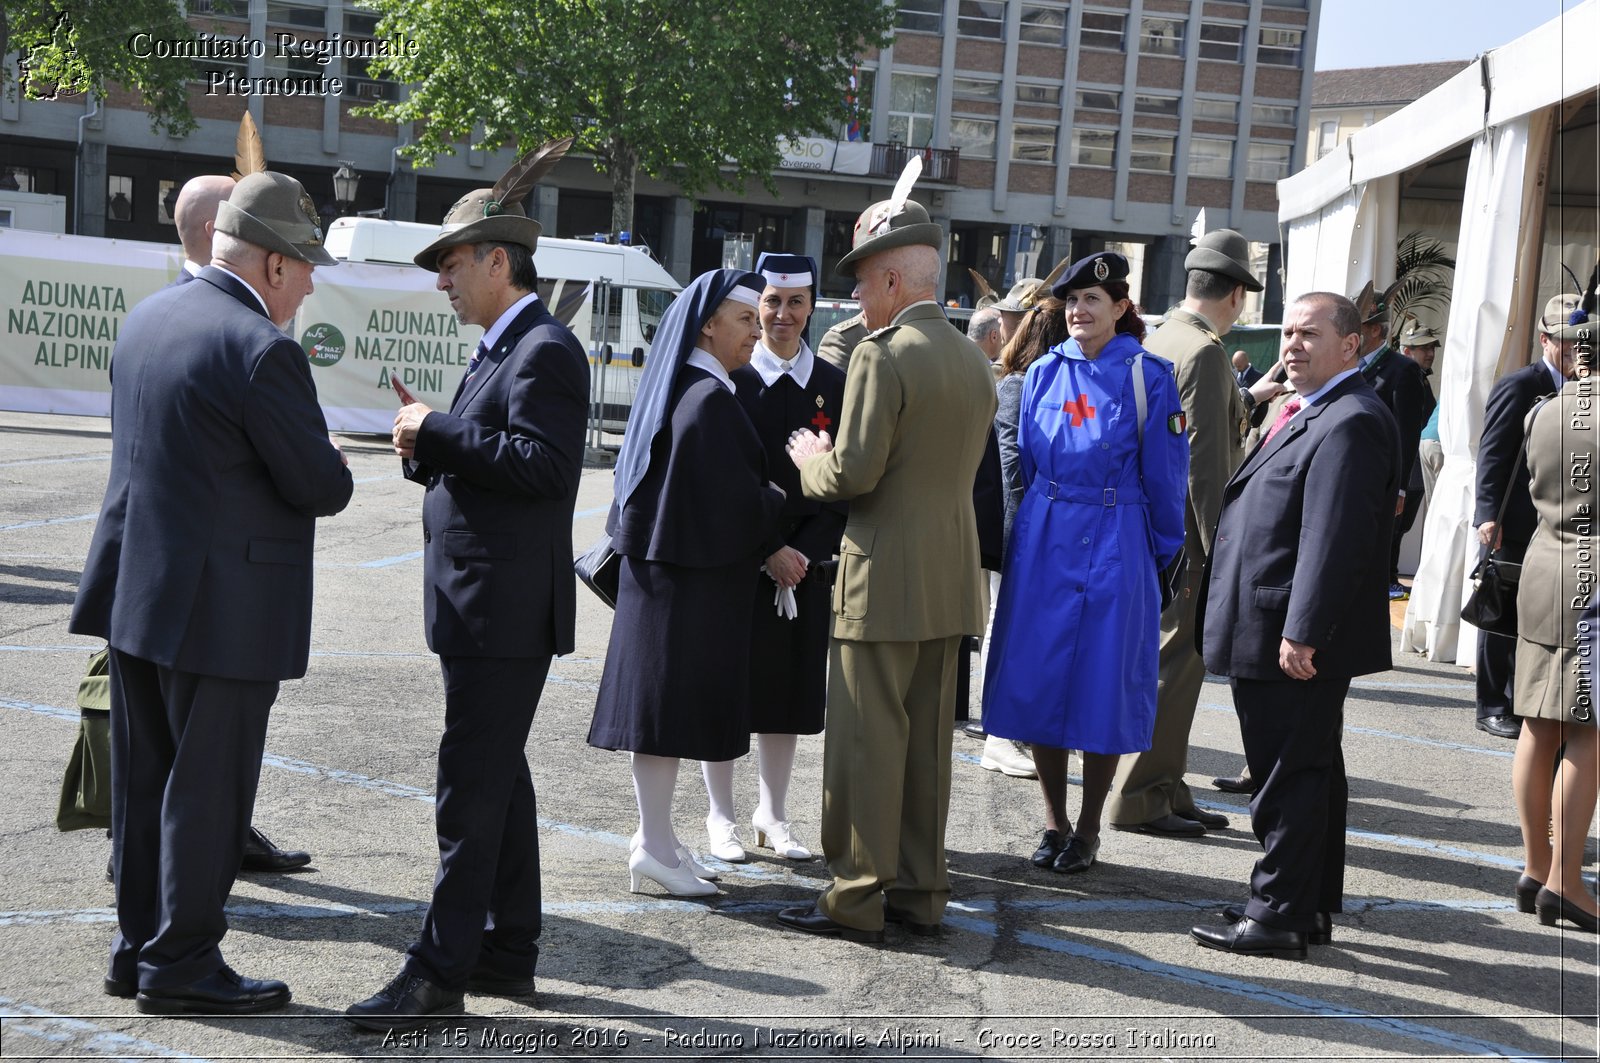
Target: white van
x=425, y=345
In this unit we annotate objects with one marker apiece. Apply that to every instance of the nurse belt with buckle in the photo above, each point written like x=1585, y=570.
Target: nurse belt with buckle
x=1093, y=495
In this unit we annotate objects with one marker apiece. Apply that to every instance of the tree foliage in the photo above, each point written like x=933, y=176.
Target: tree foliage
x=697, y=92
x=69, y=47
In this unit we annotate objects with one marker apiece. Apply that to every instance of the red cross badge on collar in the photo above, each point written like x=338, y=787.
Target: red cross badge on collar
x=1079, y=411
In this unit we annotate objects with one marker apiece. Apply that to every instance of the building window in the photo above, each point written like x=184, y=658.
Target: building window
x=1272, y=114
x=1103, y=30
x=975, y=89
x=1280, y=47
x=1094, y=147
x=306, y=18
x=1031, y=142
x=119, y=198
x=1327, y=137
x=1215, y=110
x=1268, y=162
x=1221, y=40
x=1045, y=94
x=1044, y=24
x=1152, y=152
x=911, y=103
x=922, y=16
x=1160, y=36
x=982, y=18
x=236, y=9
x=974, y=136
x=1210, y=158
x=1161, y=106
x=1100, y=100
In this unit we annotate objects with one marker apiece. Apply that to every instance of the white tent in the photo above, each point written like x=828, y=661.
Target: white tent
x=1500, y=162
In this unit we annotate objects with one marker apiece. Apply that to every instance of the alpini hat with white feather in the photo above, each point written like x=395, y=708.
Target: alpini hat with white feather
x=496, y=215
x=898, y=221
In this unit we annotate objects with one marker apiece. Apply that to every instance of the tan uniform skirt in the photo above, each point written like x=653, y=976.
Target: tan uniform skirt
x=1547, y=686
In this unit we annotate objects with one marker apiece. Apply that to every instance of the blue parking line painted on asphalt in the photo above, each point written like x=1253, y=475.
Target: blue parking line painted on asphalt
x=54, y=461
x=385, y=562
x=598, y=511
x=1259, y=994
x=377, y=479
x=51, y=520
x=55, y=712
x=1375, y=732
x=85, y=1038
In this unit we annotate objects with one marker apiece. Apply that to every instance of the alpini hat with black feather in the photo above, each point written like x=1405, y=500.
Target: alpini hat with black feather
x=496, y=215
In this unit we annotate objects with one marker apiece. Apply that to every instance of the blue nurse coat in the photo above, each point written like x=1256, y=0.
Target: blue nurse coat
x=1073, y=663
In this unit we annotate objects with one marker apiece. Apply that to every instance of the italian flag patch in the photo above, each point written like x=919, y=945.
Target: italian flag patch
x=1177, y=424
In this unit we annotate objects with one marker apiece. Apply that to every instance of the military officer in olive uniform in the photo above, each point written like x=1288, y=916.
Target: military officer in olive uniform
x=918, y=403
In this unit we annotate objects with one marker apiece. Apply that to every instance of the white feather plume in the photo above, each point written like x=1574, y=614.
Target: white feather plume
x=902, y=187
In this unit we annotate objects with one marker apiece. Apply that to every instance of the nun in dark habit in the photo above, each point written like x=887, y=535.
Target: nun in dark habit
x=692, y=513
x=785, y=387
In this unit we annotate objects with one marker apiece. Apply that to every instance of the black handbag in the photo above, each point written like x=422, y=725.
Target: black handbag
x=1492, y=606
x=600, y=569
x=1173, y=577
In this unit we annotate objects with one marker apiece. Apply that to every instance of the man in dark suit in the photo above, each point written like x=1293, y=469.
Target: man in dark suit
x=199, y=577
x=1399, y=382
x=1296, y=607
x=501, y=468
x=195, y=216
x=1503, y=480
x=1244, y=374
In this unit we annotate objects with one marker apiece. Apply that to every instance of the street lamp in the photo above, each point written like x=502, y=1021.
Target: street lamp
x=345, y=183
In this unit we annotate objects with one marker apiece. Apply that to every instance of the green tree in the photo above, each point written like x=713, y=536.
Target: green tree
x=697, y=92
x=69, y=47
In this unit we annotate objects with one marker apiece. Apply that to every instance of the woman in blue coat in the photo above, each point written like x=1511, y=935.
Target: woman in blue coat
x=1076, y=634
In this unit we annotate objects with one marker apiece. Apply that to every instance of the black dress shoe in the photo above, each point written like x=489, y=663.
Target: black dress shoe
x=813, y=921
x=221, y=993
x=1170, y=825
x=1250, y=938
x=922, y=930
x=1077, y=857
x=261, y=855
x=1527, y=890
x=116, y=987
x=1236, y=784
x=1208, y=820
x=1504, y=725
x=1320, y=934
x=1552, y=908
x=404, y=1004
x=495, y=984
x=1050, y=847
x=975, y=730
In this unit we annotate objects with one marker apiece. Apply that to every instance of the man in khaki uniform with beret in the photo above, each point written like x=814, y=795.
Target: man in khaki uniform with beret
x=1149, y=794
x=918, y=403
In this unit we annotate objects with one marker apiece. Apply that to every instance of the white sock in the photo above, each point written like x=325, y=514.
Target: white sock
x=654, y=779
x=719, y=790
x=774, y=766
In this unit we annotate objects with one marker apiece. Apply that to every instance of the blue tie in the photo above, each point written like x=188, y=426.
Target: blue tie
x=476, y=360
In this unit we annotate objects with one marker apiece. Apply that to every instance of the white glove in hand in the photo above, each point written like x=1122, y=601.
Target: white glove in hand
x=785, y=603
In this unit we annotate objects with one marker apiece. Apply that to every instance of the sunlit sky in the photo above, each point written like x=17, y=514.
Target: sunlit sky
x=1356, y=33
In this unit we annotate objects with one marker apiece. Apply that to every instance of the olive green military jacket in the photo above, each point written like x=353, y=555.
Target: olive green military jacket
x=1215, y=412
x=839, y=341
x=1561, y=565
x=918, y=403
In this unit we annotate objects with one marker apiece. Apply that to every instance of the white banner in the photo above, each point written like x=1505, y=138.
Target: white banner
x=824, y=156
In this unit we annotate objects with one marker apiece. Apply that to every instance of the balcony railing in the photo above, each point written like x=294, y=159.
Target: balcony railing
x=939, y=165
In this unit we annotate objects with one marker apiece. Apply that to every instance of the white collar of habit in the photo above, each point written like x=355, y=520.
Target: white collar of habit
x=771, y=367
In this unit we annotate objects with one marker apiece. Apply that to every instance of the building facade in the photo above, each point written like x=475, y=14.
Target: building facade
x=1344, y=101
x=1048, y=129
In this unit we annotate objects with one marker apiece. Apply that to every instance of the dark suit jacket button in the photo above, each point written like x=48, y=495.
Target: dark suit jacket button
x=427, y=538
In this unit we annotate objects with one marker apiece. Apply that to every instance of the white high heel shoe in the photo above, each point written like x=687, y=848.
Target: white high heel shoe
x=779, y=837
x=684, y=857
x=678, y=881
x=725, y=842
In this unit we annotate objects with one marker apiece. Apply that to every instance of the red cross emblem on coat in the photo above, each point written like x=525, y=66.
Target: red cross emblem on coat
x=822, y=421
x=1079, y=411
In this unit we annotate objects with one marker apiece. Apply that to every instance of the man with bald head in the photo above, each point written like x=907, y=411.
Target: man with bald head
x=919, y=400
x=196, y=218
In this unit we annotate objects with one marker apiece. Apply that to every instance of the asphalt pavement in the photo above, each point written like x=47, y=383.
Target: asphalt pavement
x=1429, y=960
